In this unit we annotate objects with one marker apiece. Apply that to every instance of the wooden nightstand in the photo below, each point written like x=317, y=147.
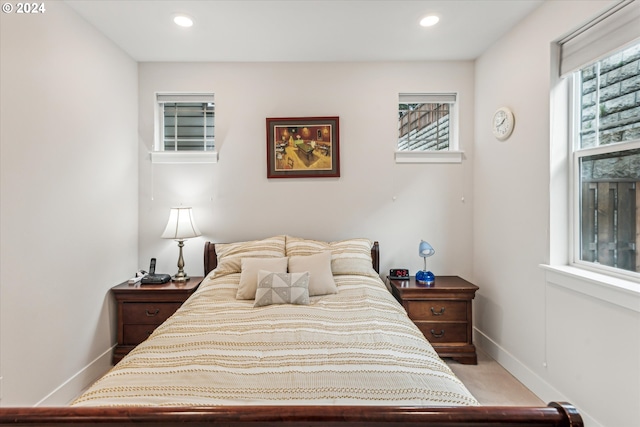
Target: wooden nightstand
x=142, y=308
x=442, y=312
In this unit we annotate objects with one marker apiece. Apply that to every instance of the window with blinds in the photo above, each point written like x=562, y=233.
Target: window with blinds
x=186, y=122
x=425, y=121
x=601, y=62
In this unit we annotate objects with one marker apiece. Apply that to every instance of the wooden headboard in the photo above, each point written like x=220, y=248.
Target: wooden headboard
x=211, y=258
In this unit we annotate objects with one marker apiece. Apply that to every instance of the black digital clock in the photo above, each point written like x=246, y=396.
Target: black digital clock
x=399, y=273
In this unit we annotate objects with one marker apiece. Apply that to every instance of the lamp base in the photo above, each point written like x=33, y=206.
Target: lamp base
x=180, y=277
x=425, y=278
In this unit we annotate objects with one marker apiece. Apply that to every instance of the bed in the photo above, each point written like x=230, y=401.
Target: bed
x=286, y=330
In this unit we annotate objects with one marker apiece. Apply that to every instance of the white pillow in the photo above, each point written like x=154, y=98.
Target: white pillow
x=282, y=288
x=249, y=274
x=352, y=256
x=319, y=267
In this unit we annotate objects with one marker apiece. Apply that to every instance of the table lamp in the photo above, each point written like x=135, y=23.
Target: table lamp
x=425, y=277
x=180, y=227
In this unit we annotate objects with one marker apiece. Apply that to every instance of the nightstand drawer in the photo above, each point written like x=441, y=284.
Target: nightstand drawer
x=135, y=334
x=436, y=310
x=443, y=332
x=442, y=312
x=149, y=313
x=141, y=309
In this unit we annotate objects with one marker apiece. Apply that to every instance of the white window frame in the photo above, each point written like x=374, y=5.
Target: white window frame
x=576, y=206
x=605, y=34
x=453, y=154
x=576, y=154
x=159, y=154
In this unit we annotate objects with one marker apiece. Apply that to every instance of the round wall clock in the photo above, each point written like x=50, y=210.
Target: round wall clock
x=503, y=122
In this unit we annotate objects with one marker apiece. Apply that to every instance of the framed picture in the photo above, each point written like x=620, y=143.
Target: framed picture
x=303, y=147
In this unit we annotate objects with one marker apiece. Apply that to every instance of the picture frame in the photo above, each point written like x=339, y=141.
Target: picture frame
x=303, y=147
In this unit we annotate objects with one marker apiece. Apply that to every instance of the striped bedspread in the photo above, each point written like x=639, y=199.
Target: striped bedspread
x=356, y=347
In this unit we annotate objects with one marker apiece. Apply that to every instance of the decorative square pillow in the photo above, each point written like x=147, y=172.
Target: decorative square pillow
x=231, y=254
x=282, y=288
x=351, y=256
x=319, y=267
x=249, y=274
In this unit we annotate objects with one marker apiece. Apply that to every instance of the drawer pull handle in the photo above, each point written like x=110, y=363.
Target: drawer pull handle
x=437, y=313
x=437, y=335
x=149, y=314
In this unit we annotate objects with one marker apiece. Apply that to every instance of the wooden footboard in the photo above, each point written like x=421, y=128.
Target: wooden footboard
x=555, y=414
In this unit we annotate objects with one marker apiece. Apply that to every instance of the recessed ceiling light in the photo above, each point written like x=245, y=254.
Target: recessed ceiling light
x=429, y=21
x=183, y=20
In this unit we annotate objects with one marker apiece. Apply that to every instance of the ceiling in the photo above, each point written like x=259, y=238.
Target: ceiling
x=304, y=30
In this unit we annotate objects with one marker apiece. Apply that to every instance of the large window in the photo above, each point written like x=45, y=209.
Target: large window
x=186, y=122
x=606, y=160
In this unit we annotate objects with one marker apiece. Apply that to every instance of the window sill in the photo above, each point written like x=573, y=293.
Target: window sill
x=178, y=157
x=614, y=290
x=429, y=156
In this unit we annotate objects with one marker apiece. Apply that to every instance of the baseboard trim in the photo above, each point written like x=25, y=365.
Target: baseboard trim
x=541, y=388
x=70, y=389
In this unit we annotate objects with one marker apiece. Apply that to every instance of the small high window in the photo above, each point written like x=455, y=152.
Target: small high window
x=424, y=121
x=427, y=128
x=185, y=126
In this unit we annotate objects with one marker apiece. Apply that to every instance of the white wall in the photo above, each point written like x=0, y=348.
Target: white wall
x=68, y=201
x=560, y=343
x=233, y=199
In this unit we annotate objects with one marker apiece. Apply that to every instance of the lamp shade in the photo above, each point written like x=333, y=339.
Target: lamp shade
x=181, y=225
x=425, y=249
